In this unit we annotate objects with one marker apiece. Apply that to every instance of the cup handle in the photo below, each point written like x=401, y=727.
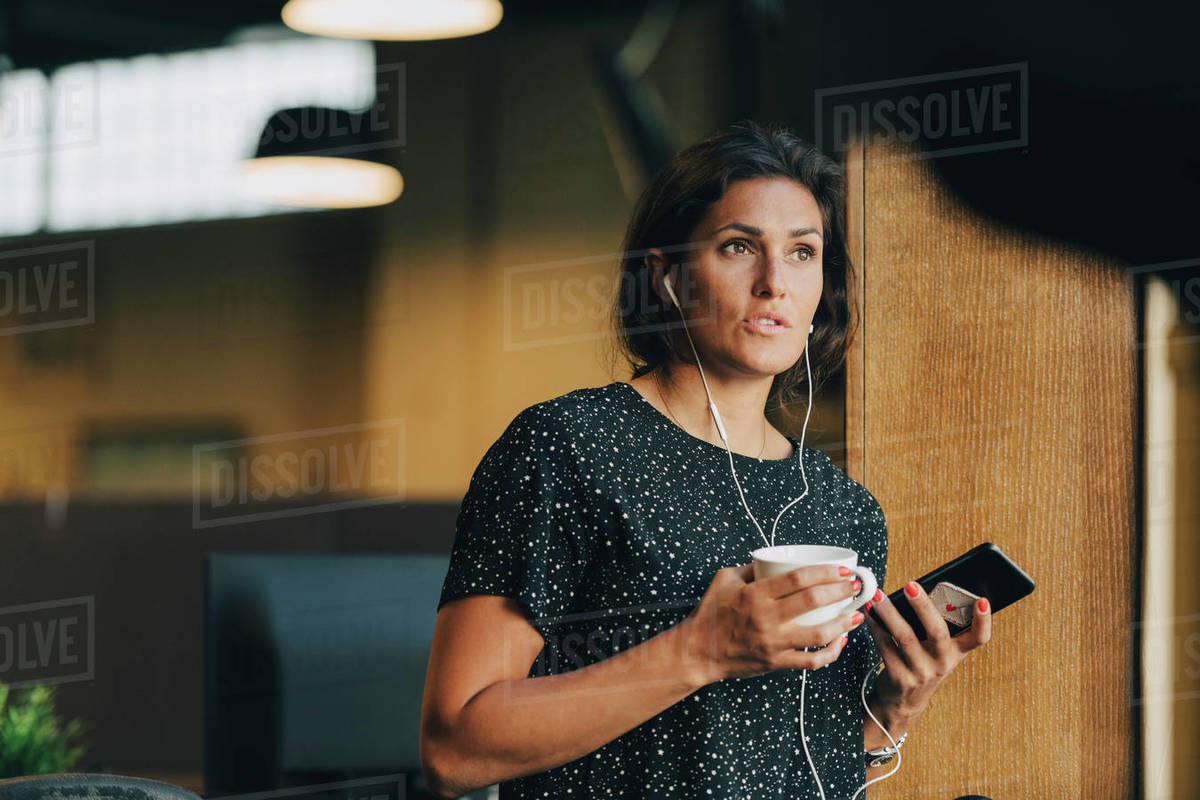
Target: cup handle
x=869, y=585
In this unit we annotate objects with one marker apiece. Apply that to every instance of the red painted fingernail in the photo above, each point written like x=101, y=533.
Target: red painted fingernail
x=857, y=618
x=983, y=605
x=856, y=585
x=868, y=605
x=845, y=640
x=878, y=596
x=910, y=589
x=843, y=571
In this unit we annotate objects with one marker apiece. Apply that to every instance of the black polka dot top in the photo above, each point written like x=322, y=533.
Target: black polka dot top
x=607, y=522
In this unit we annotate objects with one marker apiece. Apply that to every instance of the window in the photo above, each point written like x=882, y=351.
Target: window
x=158, y=138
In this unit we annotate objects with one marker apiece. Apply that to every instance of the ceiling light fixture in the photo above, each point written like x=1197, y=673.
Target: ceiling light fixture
x=313, y=157
x=392, y=20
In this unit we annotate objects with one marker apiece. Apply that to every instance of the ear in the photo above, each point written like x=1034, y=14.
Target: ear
x=659, y=266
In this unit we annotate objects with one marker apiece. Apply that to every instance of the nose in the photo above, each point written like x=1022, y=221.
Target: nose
x=771, y=277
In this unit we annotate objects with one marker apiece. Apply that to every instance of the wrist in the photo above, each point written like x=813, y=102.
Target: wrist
x=896, y=721
x=897, y=713
x=700, y=668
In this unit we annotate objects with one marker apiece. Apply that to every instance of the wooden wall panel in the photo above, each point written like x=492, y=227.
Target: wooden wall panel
x=991, y=398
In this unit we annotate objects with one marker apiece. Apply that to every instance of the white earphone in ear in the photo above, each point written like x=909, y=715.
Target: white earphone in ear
x=671, y=290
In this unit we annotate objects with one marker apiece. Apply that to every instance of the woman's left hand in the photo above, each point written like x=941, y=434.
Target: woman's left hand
x=915, y=667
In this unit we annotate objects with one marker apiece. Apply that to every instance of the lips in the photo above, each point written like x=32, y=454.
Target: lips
x=779, y=321
x=766, y=328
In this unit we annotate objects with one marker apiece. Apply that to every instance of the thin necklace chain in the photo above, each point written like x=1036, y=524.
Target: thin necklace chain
x=658, y=385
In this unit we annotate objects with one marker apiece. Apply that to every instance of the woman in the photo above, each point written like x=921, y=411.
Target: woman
x=600, y=633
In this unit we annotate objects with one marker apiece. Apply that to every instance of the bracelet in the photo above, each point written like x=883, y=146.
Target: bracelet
x=884, y=755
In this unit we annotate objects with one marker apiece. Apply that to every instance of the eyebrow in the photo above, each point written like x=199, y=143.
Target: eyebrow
x=753, y=231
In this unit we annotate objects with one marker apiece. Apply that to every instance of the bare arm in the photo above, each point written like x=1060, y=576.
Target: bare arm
x=483, y=721
x=517, y=725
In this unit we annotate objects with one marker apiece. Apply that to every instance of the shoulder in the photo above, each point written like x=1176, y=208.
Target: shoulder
x=855, y=498
x=578, y=405
x=572, y=406
x=561, y=412
x=553, y=426
x=568, y=415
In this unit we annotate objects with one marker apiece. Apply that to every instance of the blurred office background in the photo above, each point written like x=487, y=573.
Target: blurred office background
x=166, y=329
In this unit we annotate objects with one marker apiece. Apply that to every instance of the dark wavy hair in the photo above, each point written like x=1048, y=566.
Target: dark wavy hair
x=671, y=207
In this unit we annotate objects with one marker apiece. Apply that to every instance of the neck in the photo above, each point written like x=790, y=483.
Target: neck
x=740, y=402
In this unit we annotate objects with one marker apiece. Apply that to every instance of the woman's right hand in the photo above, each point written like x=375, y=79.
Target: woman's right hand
x=743, y=627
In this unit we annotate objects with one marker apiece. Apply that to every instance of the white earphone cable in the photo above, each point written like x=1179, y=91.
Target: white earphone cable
x=721, y=432
x=770, y=543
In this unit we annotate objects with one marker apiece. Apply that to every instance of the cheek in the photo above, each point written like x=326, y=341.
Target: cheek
x=816, y=276
x=713, y=300
x=813, y=285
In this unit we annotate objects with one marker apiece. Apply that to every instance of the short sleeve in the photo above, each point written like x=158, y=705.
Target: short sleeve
x=522, y=530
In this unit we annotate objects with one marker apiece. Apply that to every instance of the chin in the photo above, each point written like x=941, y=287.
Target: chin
x=768, y=366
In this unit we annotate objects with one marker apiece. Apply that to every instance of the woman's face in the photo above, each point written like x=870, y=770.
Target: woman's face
x=757, y=252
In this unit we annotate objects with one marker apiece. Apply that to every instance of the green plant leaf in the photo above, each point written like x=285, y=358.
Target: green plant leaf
x=32, y=742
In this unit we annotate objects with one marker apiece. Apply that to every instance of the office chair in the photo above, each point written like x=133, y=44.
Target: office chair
x=90, y=786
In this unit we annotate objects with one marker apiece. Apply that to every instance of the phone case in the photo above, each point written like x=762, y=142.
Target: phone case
x=983, y=571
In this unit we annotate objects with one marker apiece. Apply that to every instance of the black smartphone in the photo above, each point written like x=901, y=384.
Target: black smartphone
x=982, y=571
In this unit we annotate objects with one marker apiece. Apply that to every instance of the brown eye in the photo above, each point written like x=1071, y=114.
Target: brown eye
x=740, y=243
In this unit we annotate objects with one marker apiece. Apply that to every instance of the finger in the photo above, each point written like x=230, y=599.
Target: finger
x=801, y=578
x=814, y=659
x=825, y=634
x=813, y=597
x=981, y=628
x=892, y=657
x=907, y=643
x=744, y=572
x=936, y=629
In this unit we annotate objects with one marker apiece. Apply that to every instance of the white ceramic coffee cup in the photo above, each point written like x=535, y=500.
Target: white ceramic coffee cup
x=771, y=561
